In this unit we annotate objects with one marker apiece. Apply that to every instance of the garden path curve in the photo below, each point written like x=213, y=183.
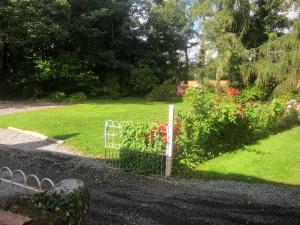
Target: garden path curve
x=9, y=107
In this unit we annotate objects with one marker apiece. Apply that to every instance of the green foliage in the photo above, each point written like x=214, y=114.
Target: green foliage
x=276, y=64
x=164, y=92
x=141, y=145
x=57, y=96
x=77, y=97
x=237, y=30
x=70, y=208
x=143, y=79
x=218, y=124
x=103, y=38
x=112, y=86
x=253, y=93
x=66, y=73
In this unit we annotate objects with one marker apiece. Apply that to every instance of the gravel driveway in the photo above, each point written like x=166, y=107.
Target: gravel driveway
x=123, y=198
x=9, y=107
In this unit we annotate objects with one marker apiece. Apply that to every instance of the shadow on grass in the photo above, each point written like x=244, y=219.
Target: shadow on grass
x=129, y=100
x=208, y=175
x=65, y=136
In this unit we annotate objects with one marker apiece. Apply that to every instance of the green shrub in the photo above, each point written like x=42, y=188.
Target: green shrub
x=253, y=93
x=64, y=208
x=140, y=149
x=112, y=86
x=77, y=97
x=143, y=79
x=164, y=92
x=67, y=73
x=216, y=124
x=57, y=96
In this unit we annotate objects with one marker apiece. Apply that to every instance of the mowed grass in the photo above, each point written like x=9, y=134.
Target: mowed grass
x=82, y=125
x=275, y=159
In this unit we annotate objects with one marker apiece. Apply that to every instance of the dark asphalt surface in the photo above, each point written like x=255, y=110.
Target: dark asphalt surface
x=122, y=198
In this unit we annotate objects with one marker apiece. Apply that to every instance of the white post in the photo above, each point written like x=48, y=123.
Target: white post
x=169, y=150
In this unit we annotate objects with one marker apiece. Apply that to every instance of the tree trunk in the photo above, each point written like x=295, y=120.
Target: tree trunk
x=5, y=61
x=187, y=67
x=112, y=35
x=202, y=50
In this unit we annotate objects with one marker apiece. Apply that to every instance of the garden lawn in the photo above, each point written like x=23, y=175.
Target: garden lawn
x=82, y=125
x=275, y=159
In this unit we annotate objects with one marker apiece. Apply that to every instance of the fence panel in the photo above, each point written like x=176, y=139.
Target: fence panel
x=153, y=155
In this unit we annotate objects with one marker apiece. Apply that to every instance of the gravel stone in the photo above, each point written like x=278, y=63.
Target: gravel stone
x=9, y=107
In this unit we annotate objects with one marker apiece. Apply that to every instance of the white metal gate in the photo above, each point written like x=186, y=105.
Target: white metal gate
x=158, y=163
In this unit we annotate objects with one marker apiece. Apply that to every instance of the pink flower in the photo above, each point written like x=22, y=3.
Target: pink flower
x=181, y=89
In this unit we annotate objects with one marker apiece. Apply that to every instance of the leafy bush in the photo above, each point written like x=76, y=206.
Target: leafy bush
x=164, y=92
x=141, y=145
x=57, y=96
x=143, y=79
x=65, y=208
x=219, y=123
x=77, y=97
x=66, y=73
x=253, y=93
x=112, y=86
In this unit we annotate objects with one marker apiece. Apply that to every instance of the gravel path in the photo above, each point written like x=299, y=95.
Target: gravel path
x=9, y=107
x=123, y=198
x=19, y=140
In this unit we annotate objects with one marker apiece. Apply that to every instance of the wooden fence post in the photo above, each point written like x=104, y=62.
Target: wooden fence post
x=169, y=150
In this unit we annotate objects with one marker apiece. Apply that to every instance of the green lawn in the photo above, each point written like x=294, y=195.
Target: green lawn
x=275, y=159
x=82, y=125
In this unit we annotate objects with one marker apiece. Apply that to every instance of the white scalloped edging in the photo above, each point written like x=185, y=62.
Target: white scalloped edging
x=11, y=176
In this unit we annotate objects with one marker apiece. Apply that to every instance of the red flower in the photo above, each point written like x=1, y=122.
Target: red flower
x=163, y=127
x=231, y=91
x=164, y=138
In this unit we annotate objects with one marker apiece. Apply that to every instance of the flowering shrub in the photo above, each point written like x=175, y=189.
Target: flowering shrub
x=217, y=124
x=252, y=94
x=142, y=145
x=181, y=89
x=293, y=105
x=230, y=91
x=161, y=131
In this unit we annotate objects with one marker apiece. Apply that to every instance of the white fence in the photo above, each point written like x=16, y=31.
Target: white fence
x=19, y=179
x=161, y=161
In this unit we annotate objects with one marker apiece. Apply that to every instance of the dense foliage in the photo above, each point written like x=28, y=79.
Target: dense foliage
x=141, y=147
x=222, y=122
x=129, y=47
x=250, y=42
x=97, y=47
